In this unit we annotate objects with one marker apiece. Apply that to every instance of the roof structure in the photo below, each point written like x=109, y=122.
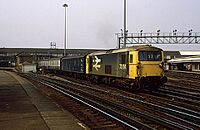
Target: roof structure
x=189, y=53
x=190, y=59
x=16, y=51
x=172, y=53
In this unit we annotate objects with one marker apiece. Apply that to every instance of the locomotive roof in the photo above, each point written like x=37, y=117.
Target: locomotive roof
x=137, y=48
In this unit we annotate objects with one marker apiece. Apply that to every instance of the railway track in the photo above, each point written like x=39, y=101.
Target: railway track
x=75, y=104
x=184, y=74
x=165, y=96
x=188, y=87
x=134, y=111
x=95, y=106
x=184, y=79
x=179, y=91
x=185, y=85
x=191, y=85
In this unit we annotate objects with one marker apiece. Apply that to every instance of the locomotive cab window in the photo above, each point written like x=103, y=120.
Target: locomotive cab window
x=150, y=56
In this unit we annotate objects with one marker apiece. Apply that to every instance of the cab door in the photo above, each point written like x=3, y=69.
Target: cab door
x=133, y=62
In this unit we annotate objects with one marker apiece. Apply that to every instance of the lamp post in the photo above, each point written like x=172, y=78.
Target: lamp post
x=125, y=32
x=65, y=35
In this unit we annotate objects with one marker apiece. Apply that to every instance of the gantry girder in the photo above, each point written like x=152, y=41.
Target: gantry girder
x=159, y=38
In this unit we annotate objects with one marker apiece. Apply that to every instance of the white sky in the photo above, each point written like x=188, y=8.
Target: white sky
x=91, y=23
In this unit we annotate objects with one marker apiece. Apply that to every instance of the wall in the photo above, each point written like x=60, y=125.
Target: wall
x=28, y=68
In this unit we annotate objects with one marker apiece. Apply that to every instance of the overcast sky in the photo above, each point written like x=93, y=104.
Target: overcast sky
x=91, y=23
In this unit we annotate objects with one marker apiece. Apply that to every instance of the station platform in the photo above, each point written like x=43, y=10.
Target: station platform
x=23, y=107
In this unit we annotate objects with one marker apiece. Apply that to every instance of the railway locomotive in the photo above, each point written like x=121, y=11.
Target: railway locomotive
x=135, y=67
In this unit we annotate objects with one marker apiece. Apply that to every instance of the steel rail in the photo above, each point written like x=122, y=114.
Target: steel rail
x=163, y=109
x=81, y=99
x=154, y=105
x=169, y=110
x=164, y=121
x=185, y=90
x=162, y=94
x=193, y=89
x=182, y=93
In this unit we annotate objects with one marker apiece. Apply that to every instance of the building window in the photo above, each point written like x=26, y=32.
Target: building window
x=168, y=57
x=196, y=66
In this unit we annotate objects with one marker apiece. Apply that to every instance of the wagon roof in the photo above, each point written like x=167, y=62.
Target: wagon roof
x=138, y=47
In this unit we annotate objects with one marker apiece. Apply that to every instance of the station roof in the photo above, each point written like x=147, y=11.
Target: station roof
x=75, y=51
x=19, y=50
x=189, y=53
x=172, y=53
x=9, y=52
x=190, y=59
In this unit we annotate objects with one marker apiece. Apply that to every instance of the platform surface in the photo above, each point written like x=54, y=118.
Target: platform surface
x=23, y=107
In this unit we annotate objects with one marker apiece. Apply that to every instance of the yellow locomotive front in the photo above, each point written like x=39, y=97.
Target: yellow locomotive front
x=146, y=67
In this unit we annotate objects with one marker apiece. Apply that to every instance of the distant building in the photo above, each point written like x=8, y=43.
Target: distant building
x=8, y=55
x=28, y=67
x=23, y=58
x=191, y=63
